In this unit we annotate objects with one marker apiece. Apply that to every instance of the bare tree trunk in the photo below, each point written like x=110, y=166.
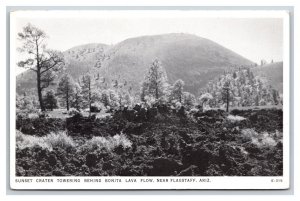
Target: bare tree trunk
x=38, y=72
x=67, y=103
x=67, y=98
x=227, y=100
x=90, y=97
x=39, y=88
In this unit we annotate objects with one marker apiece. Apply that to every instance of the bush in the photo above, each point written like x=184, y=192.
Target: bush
x=24, y=141
x=59, y=140
x=259, y=139
x=51, y=141
x=108, y=143
x=236, y=118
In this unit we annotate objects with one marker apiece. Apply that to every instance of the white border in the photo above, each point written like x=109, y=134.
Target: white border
x=216, y=182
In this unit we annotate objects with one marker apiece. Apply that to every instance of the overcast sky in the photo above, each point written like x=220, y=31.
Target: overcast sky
x=253, y=38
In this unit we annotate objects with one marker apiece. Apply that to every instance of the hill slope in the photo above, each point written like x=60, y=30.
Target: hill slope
x=188, y=57
x=191, y=58
x=273, y=73
x=79, y=60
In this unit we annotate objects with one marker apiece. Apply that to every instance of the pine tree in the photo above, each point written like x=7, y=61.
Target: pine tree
x=65, y=89
x=204, y=98
x=155, y=83
x=114, y=98
x=77, y=101
x=87, y=87
x=234, y=75
x=276, y=97
x=105, y=98
x=177, y=91
x=50, y=100
x=143, y=92
x=225, y=94
x=244, y=90
x=189, y=100
x=43, y=62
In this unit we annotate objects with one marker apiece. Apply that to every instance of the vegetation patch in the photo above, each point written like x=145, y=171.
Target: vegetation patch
x=50, y=141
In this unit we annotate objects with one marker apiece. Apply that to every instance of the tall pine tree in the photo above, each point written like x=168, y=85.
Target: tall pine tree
x=155, y=83
x=87, y=87
x=65, y=89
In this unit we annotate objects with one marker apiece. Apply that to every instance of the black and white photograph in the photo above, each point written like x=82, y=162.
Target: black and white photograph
x=149, y=99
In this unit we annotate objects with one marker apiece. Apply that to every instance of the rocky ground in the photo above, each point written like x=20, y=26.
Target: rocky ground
x=164, y=142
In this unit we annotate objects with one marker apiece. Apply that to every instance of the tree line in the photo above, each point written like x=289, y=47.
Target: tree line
x=237, y=88
x=240, y=88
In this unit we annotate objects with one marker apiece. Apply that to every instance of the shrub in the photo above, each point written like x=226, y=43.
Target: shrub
x=267, y=140
x=50, y=141
x=259, y=139
x=236, y=118
x=61, y=140
x=108, y=143
x=248, y=134
x=24, y=141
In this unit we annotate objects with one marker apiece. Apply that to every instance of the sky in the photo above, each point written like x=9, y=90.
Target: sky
x=254, y=38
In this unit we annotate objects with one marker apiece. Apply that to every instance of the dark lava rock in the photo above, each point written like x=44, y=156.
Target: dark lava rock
x=70, y=168
x=108, y=165
x=129, y=115
x=163, y=109
x=236, y=112
x=39, y=126
x=91, y=160
x=22, y=153
x=164, y=167
x=198, y=156
x=181, y=112
x=190, y=171
x=52, y=160
x=137, y=107
x=152, y=112
x=141, y=115
x=95, y=172
x=57, y=173
x=119, y=150
x=207, y=119
x=76, y=162
x=42, y=154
